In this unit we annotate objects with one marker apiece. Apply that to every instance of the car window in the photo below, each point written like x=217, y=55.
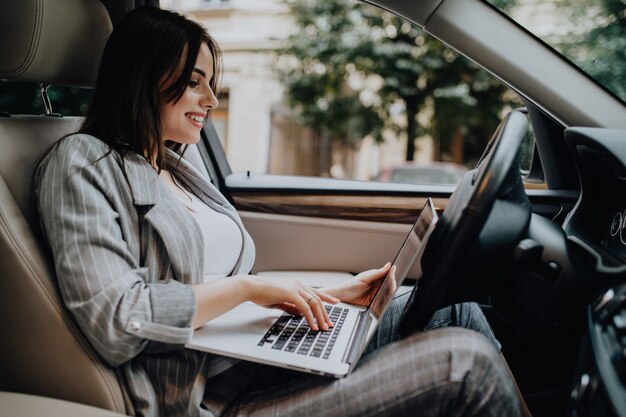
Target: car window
x=433, y=173
x=342, y=89
x=25, y=98
x=527, y=152
x=589, y=33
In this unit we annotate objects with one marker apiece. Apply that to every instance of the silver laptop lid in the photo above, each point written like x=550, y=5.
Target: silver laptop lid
x=410, y=252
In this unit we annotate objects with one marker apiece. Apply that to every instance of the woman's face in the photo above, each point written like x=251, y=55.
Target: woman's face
x=182, y=121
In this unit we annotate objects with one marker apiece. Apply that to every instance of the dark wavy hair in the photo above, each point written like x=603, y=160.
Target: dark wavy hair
x=139, y=72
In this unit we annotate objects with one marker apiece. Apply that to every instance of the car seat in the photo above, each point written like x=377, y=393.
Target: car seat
x=42, y=351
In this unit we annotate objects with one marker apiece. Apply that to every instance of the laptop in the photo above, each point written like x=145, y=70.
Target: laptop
x=273, y=337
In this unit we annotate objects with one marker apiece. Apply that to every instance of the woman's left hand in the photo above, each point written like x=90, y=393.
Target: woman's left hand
x=361, y=289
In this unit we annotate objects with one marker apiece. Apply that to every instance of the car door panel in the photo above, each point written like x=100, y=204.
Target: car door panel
x=325, y=224
x=343, y=232
x=286, y=242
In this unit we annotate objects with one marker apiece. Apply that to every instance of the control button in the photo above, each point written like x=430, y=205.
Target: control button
x=585, y=389
x=528, y=253
x=609, y=305
x=554, y=267
x=619, y=320
x=552, y=271
x=603, y=300
x=580, y=389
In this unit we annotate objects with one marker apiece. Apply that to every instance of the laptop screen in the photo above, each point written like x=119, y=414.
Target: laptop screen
x=410, y=252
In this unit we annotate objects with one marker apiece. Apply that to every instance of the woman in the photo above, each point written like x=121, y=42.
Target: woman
x=138, y=238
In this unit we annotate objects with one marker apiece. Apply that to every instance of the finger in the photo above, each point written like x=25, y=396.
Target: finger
x=305, y=310
x=326, y=318
x=373, y=275
x=325, y=297
x=318, y=308
x=394, y=284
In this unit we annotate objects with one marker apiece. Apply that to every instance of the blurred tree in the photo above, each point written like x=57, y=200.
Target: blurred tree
x=353, y=70
x=597, y=40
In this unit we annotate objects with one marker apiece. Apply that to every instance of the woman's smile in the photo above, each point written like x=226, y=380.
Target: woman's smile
x=196, y=119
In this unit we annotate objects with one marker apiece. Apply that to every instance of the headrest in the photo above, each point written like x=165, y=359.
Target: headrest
x=51, y=41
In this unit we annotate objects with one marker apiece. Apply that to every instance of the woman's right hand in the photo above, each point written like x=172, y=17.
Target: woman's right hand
x=291, y=296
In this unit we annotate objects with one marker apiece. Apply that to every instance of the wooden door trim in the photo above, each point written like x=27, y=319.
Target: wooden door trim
x=389, y=209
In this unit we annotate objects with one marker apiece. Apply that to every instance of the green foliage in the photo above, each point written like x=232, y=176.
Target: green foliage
x=597, y=41
x=590, y=33
x=317, y=79
x=354, y=70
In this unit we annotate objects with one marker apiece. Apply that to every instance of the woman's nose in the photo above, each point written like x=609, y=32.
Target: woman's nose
x=210, y=101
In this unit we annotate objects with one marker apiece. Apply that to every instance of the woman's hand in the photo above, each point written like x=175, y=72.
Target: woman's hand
x=361, y=289
x=291, y=296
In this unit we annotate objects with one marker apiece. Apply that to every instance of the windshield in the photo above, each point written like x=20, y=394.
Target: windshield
x=590, y=33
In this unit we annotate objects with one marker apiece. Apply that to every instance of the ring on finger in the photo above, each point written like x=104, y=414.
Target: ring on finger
x=308, y=298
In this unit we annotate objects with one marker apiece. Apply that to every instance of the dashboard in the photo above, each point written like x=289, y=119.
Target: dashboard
x=598, y=225
x=599, y=218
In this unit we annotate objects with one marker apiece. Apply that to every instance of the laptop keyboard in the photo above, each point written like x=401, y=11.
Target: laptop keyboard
x=292, y=334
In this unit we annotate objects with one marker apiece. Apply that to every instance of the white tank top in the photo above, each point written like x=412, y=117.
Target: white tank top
x=222, y=237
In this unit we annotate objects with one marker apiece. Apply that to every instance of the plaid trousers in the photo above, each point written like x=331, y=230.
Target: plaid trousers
x=452, y=368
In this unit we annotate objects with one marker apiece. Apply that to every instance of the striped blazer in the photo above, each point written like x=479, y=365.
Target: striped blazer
x=125, y=253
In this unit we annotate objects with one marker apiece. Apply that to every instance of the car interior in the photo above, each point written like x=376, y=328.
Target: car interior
x=548, y=266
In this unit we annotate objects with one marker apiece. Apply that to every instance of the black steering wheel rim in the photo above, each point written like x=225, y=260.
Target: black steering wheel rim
x=496, y=174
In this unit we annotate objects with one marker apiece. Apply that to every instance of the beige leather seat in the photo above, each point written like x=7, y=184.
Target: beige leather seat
x=42, y=351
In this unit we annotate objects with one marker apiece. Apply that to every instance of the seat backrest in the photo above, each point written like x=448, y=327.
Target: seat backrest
x=42, y=350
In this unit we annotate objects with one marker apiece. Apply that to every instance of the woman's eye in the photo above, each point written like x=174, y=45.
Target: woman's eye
x=193, y=83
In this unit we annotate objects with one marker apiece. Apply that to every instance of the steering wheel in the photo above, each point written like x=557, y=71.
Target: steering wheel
x=465, y=221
